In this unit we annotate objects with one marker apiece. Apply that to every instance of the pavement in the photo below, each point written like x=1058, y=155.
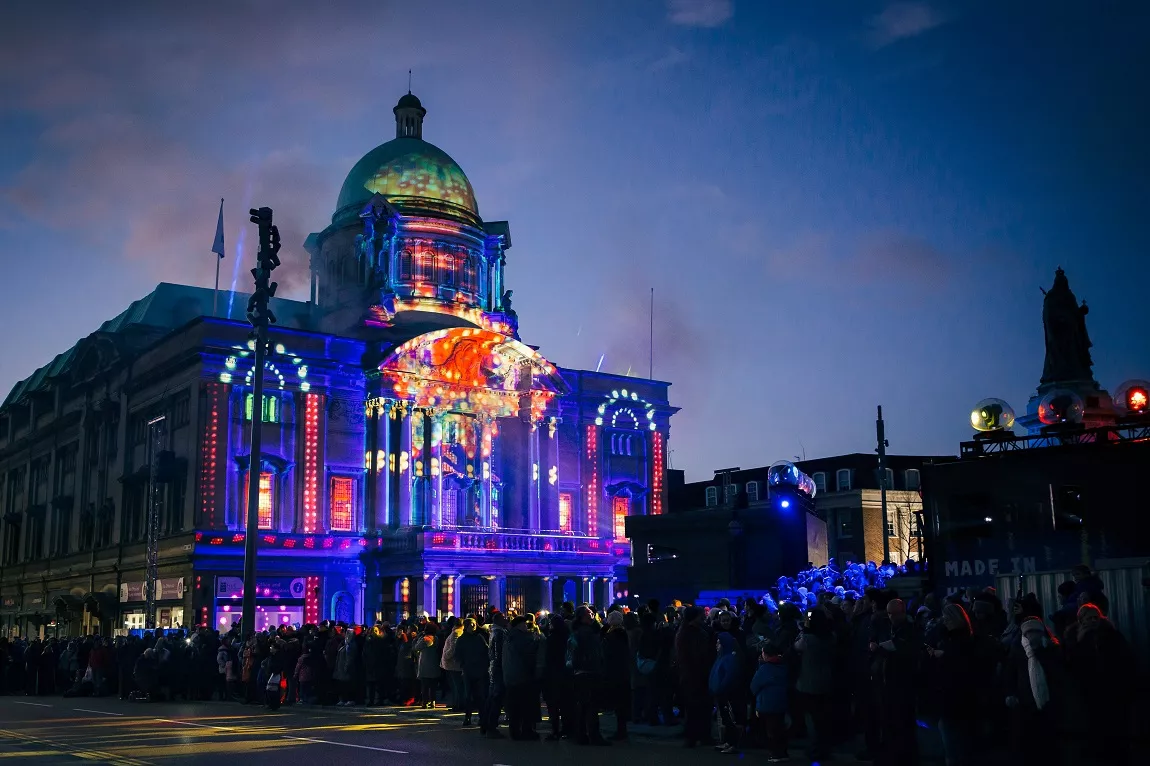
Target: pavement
x=52, y=731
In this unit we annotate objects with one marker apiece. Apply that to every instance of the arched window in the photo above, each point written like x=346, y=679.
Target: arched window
x=820, y=480
x=842, y=480
x=913, y=479
x=406, y=265
x=712, y=497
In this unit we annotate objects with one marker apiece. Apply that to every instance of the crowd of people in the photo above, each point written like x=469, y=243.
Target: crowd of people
x=830, y=657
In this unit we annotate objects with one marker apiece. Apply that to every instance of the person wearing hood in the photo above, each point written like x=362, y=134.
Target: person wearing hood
x=770, y=685
x=725, y=684
x=450, y=665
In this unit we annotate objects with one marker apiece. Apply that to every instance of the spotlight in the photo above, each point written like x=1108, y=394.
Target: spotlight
x=786, y=504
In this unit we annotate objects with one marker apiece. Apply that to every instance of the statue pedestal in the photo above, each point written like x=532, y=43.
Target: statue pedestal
x=1097, y=406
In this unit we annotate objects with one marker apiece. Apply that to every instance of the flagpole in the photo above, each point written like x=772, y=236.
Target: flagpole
x=218, y=251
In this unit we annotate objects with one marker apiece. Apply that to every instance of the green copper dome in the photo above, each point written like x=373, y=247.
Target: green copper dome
x=412, y=174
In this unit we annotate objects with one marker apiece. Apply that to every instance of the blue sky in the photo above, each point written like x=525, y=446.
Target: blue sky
x=839, y=205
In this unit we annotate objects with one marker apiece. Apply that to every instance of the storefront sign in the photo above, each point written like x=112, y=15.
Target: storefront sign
x=131, y=591
x=167, y=589
x=281, y=588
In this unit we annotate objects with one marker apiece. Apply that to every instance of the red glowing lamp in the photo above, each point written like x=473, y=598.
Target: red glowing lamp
x=1136, y=400
x=1134, y=397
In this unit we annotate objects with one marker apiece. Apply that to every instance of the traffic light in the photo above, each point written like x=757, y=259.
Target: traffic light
x=267, y=260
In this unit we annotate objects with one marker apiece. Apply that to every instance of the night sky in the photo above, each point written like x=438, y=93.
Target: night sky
x=838, y=204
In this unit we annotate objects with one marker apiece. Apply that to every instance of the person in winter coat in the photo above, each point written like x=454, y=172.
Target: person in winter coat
x=427, y=657
x=147, y=676
x=471, y=653
x=960, y=675
x=617, y=663
x=816, y=648
x=523, y=664
x=585, y=659
x=450, y=666
x=405, y=665
x=489, y=724
x=725, y=683
x=346, y=668
x=377, y=665
x=1104, y=669
x=694, y=655
x=1038, y=693
x=558, y=679
x=274, y=671
x=770, y=686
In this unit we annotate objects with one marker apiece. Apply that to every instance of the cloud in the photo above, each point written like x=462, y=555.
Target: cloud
x=700, y=13
x=672, y=58
x=899, y=21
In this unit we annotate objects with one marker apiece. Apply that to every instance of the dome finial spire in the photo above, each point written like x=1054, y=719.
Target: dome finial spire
x=409, y=114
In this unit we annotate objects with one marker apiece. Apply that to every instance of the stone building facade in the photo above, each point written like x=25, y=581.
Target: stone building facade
x=417, y=455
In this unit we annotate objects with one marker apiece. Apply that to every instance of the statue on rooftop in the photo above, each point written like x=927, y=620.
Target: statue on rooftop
x=1067, y=342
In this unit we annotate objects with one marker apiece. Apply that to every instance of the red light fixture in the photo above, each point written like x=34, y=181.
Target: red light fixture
x=1137, y=399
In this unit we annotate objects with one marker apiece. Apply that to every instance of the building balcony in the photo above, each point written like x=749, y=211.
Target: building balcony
x=414, y=540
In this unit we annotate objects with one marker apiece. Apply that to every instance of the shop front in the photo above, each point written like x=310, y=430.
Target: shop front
x=169, y=604
x=279, y=601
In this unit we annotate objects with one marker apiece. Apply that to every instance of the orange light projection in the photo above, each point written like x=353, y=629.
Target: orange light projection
x=267, y=499
x=342, y=492
x=565, y=511
x=619, y=508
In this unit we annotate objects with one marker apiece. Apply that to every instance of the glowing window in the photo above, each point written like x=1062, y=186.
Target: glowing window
x=620, y=506
x=450, y=510
x=565, y=511
x=271, y=409
x=342, y=494
x=267, y=499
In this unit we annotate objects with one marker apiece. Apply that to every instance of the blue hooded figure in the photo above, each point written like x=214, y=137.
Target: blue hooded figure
x=727, y=672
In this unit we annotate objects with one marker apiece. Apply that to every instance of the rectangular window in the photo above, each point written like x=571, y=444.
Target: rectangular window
x=271, y=409
x=619, y=507
x=890, y=529
x=342, y=495
x=565, y=511
x=845, y=526
x=267, y=500
x=820, y=479
x=752, y=491
x=843, y=480
x=712, y=497
x=889, y=479
x=913, y=479
x=449, y=513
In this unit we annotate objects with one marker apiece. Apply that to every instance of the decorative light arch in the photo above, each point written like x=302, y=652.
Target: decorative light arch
x=243, y=359
x=631, y=398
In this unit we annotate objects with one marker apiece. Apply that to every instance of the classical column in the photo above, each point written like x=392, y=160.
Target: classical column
x=547, y=602
x=430, y=595
x=435, y=463
x=587, y=591
x=538, y=479
x=380, y=460
x=405, y=467
x=608, y=591
x=549, y=485
x=496, y=588
x=484, y=453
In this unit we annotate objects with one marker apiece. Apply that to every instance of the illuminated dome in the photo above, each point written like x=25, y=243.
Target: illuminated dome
x=415, y=176
x=411, y=173
x=992, y=415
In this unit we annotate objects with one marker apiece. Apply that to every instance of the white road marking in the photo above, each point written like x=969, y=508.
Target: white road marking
x=101, y=712
x=33, y=704
x=197, y=725
x=347, y=744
